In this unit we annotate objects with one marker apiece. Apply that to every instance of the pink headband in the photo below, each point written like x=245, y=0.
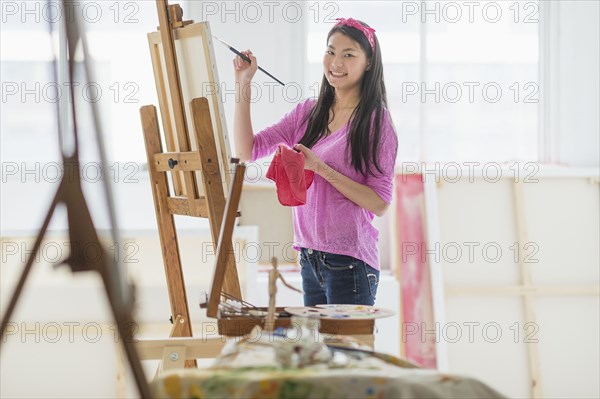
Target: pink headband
x=368, y=32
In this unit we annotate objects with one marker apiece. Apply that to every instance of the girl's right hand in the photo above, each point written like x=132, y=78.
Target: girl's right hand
x=244, y=71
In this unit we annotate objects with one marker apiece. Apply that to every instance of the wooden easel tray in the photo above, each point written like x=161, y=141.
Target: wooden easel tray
x=238, y=325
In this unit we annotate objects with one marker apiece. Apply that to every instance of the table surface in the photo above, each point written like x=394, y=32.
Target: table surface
x=371, y=378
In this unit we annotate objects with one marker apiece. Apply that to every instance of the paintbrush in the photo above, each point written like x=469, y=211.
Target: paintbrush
x=247, y=59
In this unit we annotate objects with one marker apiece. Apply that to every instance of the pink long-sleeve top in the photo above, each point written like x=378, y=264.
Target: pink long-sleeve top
x=329, y=221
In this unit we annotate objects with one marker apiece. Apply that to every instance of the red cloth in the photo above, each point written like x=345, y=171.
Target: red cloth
x=291, y=180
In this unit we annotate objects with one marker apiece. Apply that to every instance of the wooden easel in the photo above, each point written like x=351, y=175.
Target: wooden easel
x=183, y=162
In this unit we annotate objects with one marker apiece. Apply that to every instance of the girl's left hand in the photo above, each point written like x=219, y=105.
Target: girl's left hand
x=311, y=161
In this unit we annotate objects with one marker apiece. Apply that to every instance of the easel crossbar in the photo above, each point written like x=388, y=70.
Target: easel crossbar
x=177, y=161
x=181, y=206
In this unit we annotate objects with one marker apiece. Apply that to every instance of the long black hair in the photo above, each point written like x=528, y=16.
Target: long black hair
x=366, y=116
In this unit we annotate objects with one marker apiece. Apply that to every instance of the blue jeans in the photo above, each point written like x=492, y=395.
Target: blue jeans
x=336, y=279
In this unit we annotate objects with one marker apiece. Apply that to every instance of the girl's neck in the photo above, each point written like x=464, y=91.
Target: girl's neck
x=346, y=100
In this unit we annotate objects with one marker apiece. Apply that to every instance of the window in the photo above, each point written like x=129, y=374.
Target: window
x=116, y=34
x=123, y=81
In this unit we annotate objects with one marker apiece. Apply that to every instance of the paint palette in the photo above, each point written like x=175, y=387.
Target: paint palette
x=349, y=312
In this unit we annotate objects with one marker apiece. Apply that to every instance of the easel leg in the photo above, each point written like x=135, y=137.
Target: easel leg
x=213, y=186
x=166, y=230
x=120, y=390
x=225, y=248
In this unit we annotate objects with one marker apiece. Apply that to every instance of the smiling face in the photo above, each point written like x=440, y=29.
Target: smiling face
x=344, y=63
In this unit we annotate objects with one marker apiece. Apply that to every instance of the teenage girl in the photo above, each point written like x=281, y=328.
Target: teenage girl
x=348, y=140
